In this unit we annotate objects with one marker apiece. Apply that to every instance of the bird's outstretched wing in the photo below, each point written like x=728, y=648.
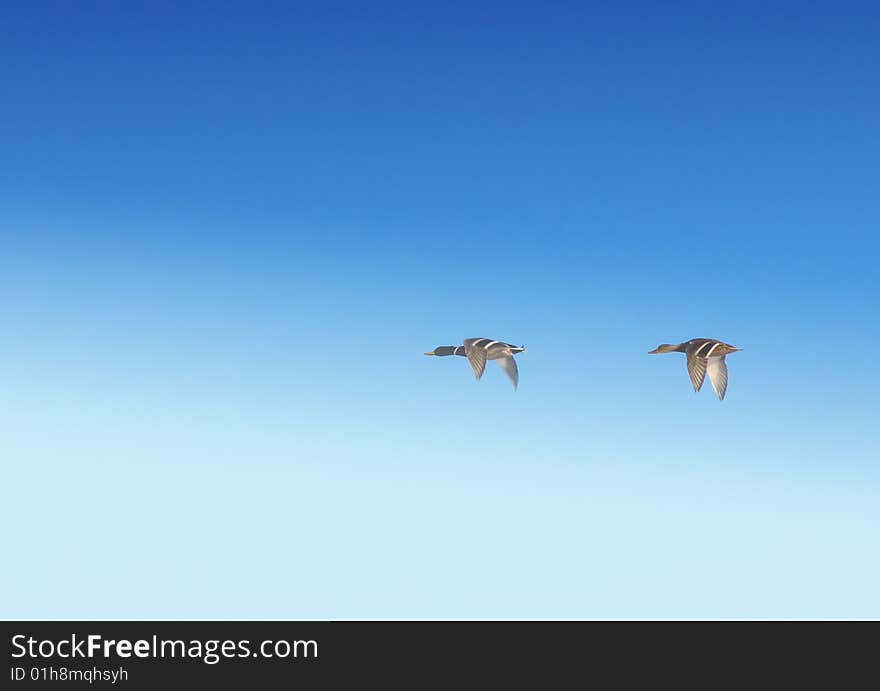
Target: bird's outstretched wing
x=508, y=364
x=476, y=355
x=697, y=370
x=717, y=369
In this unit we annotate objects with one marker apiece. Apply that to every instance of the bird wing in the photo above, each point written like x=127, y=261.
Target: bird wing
x=477, y=357
x=696, y=369
x=508, y=364
x=718, y=375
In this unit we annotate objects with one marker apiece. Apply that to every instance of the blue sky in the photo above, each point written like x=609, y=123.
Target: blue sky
x=229, y=234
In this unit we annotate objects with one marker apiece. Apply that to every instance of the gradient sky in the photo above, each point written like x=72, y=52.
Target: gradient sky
x=229, y=233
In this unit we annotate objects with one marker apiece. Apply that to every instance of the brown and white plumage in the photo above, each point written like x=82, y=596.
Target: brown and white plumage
x=717, y=369
x=704, y=355
x=479, y=350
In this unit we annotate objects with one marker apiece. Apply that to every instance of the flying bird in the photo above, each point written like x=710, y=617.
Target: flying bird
x=478, y=350
x=703, y=355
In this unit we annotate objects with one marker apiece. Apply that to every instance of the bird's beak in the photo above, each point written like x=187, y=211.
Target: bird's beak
x=654, y=352
x=431, y=353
